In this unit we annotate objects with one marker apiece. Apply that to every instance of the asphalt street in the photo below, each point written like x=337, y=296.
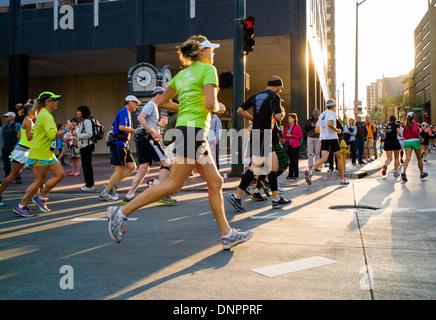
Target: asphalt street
x=380, y=248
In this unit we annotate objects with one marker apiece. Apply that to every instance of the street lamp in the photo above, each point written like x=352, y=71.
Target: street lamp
x=356, y=81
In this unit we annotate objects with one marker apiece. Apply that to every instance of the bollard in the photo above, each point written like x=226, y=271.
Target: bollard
x=345, y=152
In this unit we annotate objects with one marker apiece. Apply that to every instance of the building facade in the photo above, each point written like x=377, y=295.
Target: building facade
x=425, y=62
x=83, y=49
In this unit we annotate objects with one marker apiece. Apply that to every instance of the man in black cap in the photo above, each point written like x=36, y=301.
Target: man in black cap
x=313, y=142
x=266, y=105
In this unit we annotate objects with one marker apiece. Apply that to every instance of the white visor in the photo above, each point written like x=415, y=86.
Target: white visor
x=207, y=44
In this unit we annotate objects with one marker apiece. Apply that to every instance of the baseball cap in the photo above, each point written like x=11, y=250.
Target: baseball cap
x=315, y=111
x=158, y=90
x=208, y=44
x=331, y=103
x=46, y=95
x=410, y=114
x=10, y=113
x=132, y=98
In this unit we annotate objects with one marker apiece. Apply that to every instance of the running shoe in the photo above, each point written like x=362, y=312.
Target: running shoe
x=85, y=188
x=257, y=197
x=41, y=203
x=403, y=176
x=266, y=188
x=344, y=182
x=236, y=237
x=236, y=203
x=126, y=200
x=384, y=170
x=396, y=173
x=23, y=212
x=108, y=196
x=308, y=176
x=167, y=200
x=423, y=175
x=276, y=204
x=116, y=223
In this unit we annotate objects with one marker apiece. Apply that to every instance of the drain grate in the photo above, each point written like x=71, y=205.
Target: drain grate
x=351, y=208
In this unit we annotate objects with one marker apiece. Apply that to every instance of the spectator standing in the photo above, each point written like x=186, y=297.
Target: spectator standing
x=350, y=131
x=10, y=139
x=313, y=142
x=73, y=149
x=83, y=133
x=213, y=138
x=293, y=135
x=360, y=138
x=370, y=137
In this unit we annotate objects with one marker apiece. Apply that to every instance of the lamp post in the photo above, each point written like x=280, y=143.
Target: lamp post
x=343, y=97
x=356, y=81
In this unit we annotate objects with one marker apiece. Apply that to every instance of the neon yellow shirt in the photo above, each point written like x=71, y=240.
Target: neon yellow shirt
x=23, y=140
x=189, y=85
x=44, y=132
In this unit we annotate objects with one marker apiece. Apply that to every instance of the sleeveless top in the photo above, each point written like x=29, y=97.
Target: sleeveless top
x=23, y=140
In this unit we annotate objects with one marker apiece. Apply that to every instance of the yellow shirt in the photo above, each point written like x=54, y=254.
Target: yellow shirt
x=23, y=139
x=370, y=128
x=44, y=132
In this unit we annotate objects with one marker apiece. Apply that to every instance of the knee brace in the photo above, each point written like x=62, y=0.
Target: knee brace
x=246, y=179
x=272, y=179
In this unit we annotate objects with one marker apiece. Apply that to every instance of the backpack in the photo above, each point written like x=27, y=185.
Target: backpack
x=97, y=130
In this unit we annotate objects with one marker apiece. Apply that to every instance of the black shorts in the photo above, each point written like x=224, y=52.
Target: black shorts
x=260, y=142
x=121, y=155
x=391, y=145
x=148, y=151
x=191, y=142
x=332, y=144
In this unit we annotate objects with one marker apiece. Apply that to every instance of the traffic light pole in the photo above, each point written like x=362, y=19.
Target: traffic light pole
x=238, y=90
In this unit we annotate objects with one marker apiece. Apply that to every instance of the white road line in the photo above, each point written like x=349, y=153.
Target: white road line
x=293, y=266
x=97, y=219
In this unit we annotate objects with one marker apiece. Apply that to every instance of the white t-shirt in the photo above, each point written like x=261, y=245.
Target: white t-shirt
x=326, y=132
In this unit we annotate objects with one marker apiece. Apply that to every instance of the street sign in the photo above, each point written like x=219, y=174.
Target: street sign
x=357, y=103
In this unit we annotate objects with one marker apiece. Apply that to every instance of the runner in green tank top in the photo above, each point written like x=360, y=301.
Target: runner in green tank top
x=21, y=152
x=197, y=89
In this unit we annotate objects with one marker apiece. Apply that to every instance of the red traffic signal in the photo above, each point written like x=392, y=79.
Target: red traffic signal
x=399, y=106
x=248, y=33
x=375, y=107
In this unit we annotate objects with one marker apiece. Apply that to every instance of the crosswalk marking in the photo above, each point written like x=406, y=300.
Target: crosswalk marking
x=293, y=266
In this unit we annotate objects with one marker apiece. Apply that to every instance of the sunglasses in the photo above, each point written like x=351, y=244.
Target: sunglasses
x=53, y=99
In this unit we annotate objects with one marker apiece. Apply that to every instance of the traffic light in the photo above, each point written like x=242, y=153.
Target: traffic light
x=399, y=106
x=248, y=34
x=375, y=107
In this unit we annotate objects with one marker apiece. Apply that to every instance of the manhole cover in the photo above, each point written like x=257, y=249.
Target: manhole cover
x=353, y=208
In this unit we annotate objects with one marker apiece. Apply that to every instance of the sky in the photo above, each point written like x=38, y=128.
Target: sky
x=386, y=42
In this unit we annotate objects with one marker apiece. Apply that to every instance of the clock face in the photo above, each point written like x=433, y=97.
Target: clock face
x=167, y=76
x=143, y=78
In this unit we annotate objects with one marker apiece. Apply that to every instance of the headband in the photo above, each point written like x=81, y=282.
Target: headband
x=275, y=83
